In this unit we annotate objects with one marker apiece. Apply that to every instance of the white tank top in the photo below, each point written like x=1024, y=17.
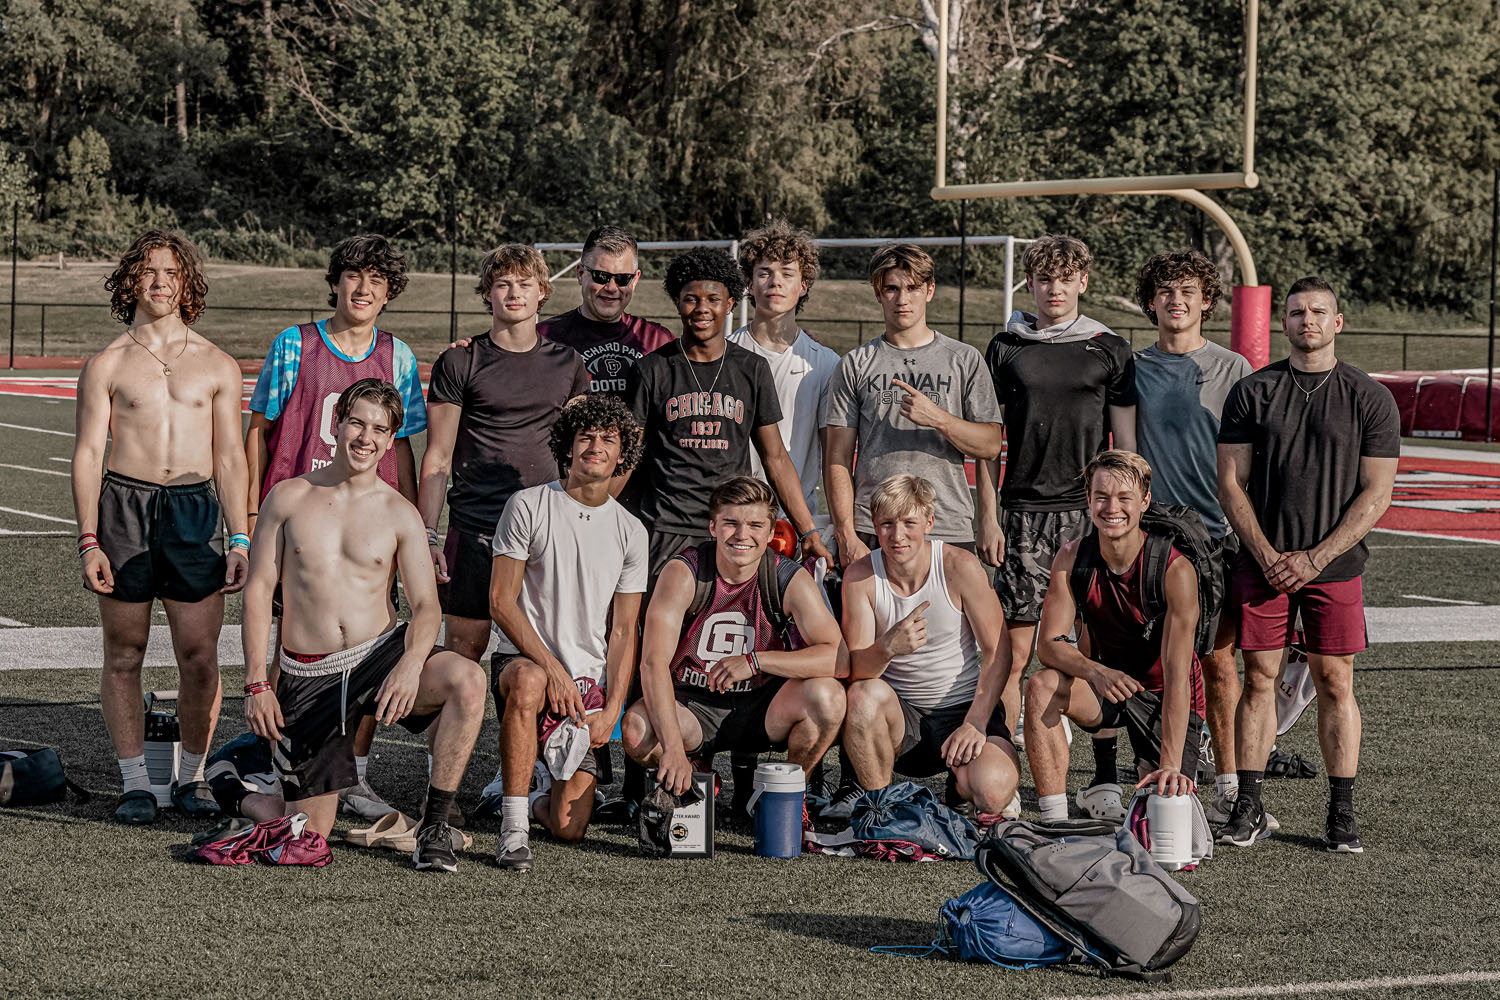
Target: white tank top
x=944, y=672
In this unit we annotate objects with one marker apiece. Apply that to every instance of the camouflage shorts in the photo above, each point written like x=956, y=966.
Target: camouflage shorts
x=1032, y=539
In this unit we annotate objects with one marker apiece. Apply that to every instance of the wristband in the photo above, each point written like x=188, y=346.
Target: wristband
x=239, y=540
x=806, y=535
x=88, y=547
x=253, y=513
x=87, y=534
x=257, y=687
x=432, y=537
x=754, y=664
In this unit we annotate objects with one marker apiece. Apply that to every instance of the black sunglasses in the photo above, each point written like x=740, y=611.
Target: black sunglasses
x=605, y=277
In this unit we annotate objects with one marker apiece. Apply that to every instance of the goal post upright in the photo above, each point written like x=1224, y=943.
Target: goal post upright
x=1250, y=312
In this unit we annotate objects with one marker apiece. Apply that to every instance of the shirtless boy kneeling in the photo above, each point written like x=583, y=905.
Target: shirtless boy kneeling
x=333, y=538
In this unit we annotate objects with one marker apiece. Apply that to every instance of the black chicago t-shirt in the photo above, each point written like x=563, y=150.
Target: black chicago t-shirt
x=698, y=416
x=1056, y=399
x=1308, y=436
x=508, y=402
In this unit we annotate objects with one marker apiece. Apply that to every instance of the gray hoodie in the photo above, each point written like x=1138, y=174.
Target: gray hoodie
x=1023, y=325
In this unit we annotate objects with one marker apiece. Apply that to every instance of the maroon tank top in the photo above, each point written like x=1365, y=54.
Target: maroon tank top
x=303, y=437
x=732, y=623
x=1116, y=623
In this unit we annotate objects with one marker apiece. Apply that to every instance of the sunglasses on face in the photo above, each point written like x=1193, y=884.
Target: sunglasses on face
x=605, y=277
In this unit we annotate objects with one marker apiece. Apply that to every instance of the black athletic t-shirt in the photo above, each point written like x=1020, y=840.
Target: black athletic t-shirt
x=1056, y=399
x=609, y=350
x=698, y=418
x=1304, y=466
x=508, y=403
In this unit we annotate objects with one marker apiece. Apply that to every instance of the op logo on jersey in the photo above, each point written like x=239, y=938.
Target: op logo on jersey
x=725, y=633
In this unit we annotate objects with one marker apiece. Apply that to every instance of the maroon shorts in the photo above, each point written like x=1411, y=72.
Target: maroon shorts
x=1333, y=614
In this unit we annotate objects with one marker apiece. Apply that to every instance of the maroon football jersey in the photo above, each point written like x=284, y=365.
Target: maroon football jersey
x=303, y=436
x=732, y=623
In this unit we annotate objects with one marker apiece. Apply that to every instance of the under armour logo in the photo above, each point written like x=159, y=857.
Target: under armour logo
x=585, y=517
x=909, y=362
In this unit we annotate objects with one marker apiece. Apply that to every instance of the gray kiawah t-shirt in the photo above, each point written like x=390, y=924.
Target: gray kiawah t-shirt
x=861, y=395
x=1180, y=399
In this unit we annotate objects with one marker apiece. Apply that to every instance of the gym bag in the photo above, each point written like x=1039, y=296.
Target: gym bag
x=33, y=777
x=1098, y=890
x=910, y=812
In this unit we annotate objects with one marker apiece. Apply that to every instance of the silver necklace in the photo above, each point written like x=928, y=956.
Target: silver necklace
x=719, y=371
x=166, y=369
x=1309, y=392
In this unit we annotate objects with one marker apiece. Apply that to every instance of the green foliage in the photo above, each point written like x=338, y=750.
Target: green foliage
x=271, y=128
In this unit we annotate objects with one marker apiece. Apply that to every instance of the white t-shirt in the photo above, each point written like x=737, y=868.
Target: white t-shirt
x=577, y=558
x=801, y=374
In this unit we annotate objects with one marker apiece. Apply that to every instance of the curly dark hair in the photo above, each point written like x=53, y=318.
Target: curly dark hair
x=779, y=243
x=368, y=250
x=121, y=283
x=704, y=264
x=1171, y=266
x=596, y=410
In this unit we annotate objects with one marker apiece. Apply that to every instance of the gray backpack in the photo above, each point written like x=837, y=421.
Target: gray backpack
x=1098, y=889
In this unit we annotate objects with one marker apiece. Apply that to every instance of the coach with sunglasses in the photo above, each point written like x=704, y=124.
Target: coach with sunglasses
x=609, y=340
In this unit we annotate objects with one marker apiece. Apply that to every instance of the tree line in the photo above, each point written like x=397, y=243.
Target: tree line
x=267, y=129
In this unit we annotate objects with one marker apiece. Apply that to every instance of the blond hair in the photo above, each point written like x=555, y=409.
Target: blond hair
x=1124, y=465
x=901, y=494
x=906, y=257
x=1056, y=256
x=512, y=258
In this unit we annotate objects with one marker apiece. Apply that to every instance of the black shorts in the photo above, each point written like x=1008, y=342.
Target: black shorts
x=498, y=662
x=467, y=592
x=161, y=541
x=1032, y=540
x=322, y=705
x=920, y=754
x=1140, y=717
x=241, y=767
x=733, y=722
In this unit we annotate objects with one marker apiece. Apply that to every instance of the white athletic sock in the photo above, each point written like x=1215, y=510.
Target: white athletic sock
x=361, y=765
x=190, y=768
x=134, y=775
x=1227, y=785
x=1053, y=806
x=513, y=815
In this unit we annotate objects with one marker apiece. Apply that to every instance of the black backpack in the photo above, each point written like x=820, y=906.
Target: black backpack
x=1096, y=888
x=772, y=578
x=1167, y=526
x=34, y=777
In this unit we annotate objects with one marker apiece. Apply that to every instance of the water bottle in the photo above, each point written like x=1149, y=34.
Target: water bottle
x=1169, y=820
x=163, y=747
x=776, y=803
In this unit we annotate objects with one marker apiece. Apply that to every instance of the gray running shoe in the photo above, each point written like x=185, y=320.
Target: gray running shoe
x=435, y=849
x=361, y=800
x=515, y=859
x=842, y=803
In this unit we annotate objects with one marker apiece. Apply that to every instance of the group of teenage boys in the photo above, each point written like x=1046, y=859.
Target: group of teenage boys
x=612, y=495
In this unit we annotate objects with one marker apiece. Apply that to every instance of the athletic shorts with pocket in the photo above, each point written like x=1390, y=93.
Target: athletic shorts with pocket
x=925, y=730
x=732, y=722
x=469, y=559
x=498, y=662
x=1333, y=614
x=322, y=704
x=1140, y=717
x=161, y=541
x=1032, y=541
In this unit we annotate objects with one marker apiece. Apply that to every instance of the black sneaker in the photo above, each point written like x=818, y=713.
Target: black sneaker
x=435, y=849
x=1343, y=834
x=517, y=859
x=842, y=803
x=1246, y=825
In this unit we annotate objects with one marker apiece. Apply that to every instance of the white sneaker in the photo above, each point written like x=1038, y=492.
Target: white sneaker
x=1219, y=809
x=361, y=800
x=1102, y=802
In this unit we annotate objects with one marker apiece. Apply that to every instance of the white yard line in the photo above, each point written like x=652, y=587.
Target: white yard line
x=12, y=623
x=1429, y=534
x=39, y=430
x=54, y=458
x=30, y=468
x=1439, y=600
x=39, y=517
x=5, y=532
x=1309, y=989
